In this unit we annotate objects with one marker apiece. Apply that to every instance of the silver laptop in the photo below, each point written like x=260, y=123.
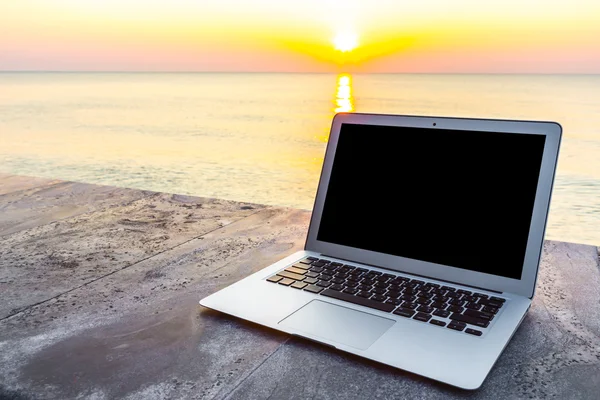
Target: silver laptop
x=423, y=247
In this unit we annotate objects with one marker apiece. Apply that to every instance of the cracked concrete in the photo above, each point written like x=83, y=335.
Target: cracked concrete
x=101, y=302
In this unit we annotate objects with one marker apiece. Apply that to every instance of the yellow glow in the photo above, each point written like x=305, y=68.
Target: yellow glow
x=344, y=100
x=345, y=41
x=312, y=35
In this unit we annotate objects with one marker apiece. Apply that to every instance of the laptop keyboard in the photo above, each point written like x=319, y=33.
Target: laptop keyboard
x=429, y=302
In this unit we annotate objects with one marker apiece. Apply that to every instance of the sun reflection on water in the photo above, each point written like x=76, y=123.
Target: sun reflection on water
x=344, y=100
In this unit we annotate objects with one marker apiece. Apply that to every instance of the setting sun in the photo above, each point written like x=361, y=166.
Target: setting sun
x=345, y=41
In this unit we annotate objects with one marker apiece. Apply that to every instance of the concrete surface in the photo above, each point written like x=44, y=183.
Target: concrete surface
x=100, y=290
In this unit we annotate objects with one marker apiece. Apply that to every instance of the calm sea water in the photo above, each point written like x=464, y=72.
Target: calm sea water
x=261, y=137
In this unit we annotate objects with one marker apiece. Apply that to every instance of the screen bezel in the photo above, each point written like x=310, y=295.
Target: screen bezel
x=524, y=286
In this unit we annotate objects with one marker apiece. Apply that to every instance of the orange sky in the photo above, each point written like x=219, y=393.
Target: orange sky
x=531, y=36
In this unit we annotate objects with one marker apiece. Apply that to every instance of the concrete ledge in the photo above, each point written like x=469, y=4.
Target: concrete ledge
x=100, y=290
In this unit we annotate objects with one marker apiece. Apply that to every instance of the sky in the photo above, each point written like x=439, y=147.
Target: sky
x=424, y=36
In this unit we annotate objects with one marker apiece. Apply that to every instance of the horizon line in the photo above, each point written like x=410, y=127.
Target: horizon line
x=293, y=72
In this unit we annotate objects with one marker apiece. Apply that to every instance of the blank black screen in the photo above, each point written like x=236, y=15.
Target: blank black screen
x=456, y=198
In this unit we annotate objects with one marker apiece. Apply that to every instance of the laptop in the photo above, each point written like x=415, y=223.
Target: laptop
x=423, y=247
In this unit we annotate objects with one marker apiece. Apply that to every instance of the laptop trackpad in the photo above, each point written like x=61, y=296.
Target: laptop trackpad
x=338, y=324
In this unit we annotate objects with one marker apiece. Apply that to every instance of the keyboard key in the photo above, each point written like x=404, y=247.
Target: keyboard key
x=310, y=281
x=317, y=269
x=300, y=265
x=349, y=267
x=456, y=302
x=378, y=291
x=480, y=295
x=313, y=289
x=423, y=301
x=318, y=263
x=312, y=258
x=351, y=284
x=441, y=313
x=491, y=303
x=376, y=273
x=381, y=285
x=367, y=282
x=362, y=269
x=336, y=287
x=408, y=298
x=350, y=290
x=451, y=289
x=323, y=283
x=422, y=317
x=274, y=278
x=439, y=306
x=404, y=312
x=311, y=274
x=336, y=264
x=418, y=282
x=395, y=302
x=291, y=275
x=286, y=281
x=366, y=288
x=425, y=309
x=473, y=332
x=341, y=275
x=492, y=310
x=338, y=280
x=457, y=326
x=364, y=293
x=325, y=277
x=432, y=285
x=299, y=285
x=479, y=314
x=393, y=294
x=357, y=300
x=473, y=306
x=464, y=292
x=296, y=270
x=498, y=299
x=410, y=305
x=470, y=320
x=378, y=297
x=437, y=322
x=455, y=309
x=470, y=299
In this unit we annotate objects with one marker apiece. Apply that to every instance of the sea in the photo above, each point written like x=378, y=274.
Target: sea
x=261, y=137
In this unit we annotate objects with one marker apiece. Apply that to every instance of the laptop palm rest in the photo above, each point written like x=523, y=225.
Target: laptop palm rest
x=338, y=324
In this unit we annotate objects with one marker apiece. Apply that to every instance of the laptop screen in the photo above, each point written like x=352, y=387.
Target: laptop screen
x=457, y=198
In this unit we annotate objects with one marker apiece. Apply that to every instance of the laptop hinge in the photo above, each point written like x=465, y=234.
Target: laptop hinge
x=410, y=273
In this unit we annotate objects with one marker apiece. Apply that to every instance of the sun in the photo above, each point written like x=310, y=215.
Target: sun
x=345, y=41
